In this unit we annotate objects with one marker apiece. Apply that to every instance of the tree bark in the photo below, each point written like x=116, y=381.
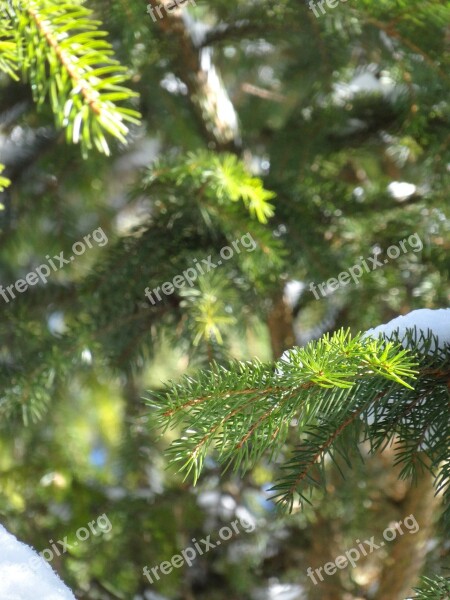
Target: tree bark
x=193, y=64
x=281, y=329
x=404, y=564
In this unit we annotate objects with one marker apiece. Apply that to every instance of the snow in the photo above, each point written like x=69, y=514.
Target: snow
x=419, y=322
x=422, y=321
x=24, y=575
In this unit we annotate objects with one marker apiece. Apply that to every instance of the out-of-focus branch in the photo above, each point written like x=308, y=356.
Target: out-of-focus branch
x=227, y=31
x=408, y=552
x=194, y=65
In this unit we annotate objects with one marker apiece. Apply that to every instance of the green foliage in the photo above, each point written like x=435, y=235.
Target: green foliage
x=4, y=181
x=63, y=54
x=208, y=306
x=245, y=410
x=188, y=215
x=437, y=588
x=220, y=178
x=338, y=392
x=77, y=353
x=8, y=48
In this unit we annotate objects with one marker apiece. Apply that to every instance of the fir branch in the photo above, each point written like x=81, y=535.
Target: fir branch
x=245, y=410
x=306, y=467
x=65, y=57
x=8, y=49
x=436, y=588
x=339, y=391
x=222, y=178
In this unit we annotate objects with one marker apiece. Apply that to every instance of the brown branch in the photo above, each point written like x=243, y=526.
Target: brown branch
x=322, y=449
x=66, y=62
x=214, y=428
x=207, y=95
x=389, y=30
x=408, y=552
x=256, y=391
x=331, y=439
x=258, y=422
x=200, y=399
x=237, y=410
x=254, y=90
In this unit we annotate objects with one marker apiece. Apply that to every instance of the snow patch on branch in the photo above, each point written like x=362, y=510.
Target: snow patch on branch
x=419, y=323
x=24, y=575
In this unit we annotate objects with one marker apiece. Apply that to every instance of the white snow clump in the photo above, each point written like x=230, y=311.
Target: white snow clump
x=24, y=575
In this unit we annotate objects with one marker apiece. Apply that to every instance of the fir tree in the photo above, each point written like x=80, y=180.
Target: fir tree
x=324, y=141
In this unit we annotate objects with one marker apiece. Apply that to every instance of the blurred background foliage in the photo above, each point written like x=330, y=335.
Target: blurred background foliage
x=341, y=124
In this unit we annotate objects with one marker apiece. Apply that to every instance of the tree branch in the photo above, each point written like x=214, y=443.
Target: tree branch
x=209, y=99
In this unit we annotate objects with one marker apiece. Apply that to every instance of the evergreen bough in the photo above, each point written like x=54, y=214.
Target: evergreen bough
x=62, y=52
x=337, y=393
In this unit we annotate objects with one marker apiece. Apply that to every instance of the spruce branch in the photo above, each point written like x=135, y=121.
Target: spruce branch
x=8, y=48
x=247, y=409
x=63, y=54
x=223, y=179
x=435, y=588
x=337, y=392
